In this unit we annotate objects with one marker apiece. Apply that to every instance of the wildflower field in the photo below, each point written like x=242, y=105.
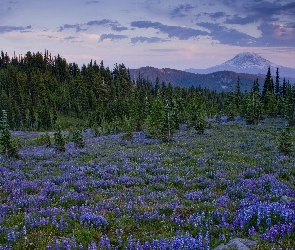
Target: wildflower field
x=195, y=192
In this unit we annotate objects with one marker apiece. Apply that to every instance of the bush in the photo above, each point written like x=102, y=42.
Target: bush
x=285, y=141
x=77, y=138
x=43, y=139
x=59, y=140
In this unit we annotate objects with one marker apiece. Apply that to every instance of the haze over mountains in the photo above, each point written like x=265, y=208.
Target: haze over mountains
x=250, y=63
x=247, y=66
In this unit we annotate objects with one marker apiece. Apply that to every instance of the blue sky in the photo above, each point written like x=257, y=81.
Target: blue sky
x=177, y=34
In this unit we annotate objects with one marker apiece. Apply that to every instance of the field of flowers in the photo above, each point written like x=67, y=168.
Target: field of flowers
x=196, y=192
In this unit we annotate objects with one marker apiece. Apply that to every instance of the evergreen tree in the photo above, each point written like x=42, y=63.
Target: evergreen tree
x=277, y=84
x=285, y=141
x=268, y=85
x=127, y=129
x=268, y=97
x=156, y=117
x=168, y=122
x=238, y=94
x=283, y=88
x=197, y=114
x=231, y=109
x=77, y=138
x=252, y=105
x=59, y=140
x=8, y=146
x=289, y=105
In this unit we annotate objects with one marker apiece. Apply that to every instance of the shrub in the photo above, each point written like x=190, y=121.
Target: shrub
x=285, y=141
x=59, y=140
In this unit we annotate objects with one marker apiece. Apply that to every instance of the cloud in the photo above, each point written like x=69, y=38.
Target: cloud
x=228, y=36
x=5, y=29
x=100, y=22
x=70, y=37
x=141, y=39
x=182, y=10
x=181, y=33
x=277, y=35
x=119, y=28
x=271, y=35
x=259, y=10
x=111, y=37
x=163, y=50
x=216, y=15
x=242, y=20
x=92, y=2
x=106, y=22
x=267, y=8
x=71, y=26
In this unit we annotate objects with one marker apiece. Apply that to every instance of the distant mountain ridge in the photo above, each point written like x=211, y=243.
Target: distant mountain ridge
x=250, y=63
x=218, y=81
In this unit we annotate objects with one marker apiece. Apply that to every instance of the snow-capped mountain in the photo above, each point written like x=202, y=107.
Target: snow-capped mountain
x=250, y=63
x=248, y=60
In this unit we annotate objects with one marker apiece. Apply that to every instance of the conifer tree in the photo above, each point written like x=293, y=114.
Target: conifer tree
x=127, y=129
x=77, y=138
x=59, y=140
x=283, y=88
x=168, y=122
x=268, y=85
x=268, y=97
x=238, y=94
x=289, y=105
x=197, y=114
x=253, y=105
x=277, y=84
x=285, y=141
x=156, y=117
x=231, y=109
x=8, y=145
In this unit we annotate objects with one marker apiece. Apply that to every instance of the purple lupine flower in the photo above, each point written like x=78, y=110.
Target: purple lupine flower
x=105, y=242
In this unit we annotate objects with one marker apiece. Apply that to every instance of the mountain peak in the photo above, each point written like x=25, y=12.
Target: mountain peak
x=249, y=60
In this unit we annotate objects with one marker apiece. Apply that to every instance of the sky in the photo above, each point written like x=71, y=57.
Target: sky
x=178, y=34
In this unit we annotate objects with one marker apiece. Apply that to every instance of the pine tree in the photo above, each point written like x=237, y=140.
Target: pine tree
x=156, y=117
x=283, y=88
x=168, y=122
x=277, y=84
x=285, y=141
x=231, y=109
x=268, y=85
x=77, y=138
x=8, y=145
x=59, y=140
x=289, y=105
x=252, y=105
x=127, y=129
x=268, y=97
x=197, y=114
x=238, y=94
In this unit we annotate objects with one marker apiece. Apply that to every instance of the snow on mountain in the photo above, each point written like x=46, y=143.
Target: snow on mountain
x=249, y=60
x=250, y=63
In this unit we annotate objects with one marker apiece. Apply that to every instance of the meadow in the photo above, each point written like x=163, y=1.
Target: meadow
x=195, y=192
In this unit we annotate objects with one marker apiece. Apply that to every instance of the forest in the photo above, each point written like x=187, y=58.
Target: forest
x=39, y=90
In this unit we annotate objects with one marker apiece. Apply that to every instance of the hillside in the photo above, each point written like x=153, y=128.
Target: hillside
x=219, y=81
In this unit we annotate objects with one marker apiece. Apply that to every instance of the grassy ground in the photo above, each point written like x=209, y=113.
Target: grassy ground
x=199, y=191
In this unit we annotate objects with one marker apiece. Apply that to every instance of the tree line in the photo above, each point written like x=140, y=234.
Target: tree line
x=37, y=89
